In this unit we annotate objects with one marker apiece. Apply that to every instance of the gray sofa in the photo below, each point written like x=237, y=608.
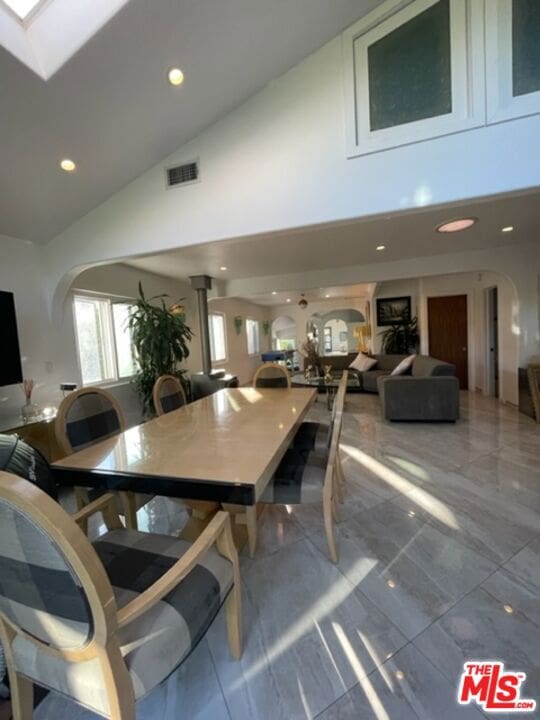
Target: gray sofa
x=429, y=392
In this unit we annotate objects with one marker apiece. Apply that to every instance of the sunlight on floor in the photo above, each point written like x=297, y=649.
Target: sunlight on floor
x=422, y=498
x=370, y=692
x=320, y=609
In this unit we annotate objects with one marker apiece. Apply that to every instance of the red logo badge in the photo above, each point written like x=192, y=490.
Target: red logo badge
x=488, y=684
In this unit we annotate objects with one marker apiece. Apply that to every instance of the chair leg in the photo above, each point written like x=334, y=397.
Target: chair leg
x=251, y=523
x=335, y=509
x=328, y=526
x=82, y=500
x=22, y=696
x=233, y=604
x=129, y=509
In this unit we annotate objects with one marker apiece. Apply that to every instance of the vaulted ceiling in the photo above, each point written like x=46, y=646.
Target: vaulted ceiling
x=111, y=110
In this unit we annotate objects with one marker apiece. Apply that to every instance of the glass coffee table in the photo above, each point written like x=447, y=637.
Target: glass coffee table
x=330, y=386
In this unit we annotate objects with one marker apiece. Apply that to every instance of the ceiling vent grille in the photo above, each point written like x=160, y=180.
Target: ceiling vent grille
x=182, y=174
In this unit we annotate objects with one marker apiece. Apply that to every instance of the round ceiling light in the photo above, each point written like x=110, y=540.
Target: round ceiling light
x=176, y=76
x=223, y=268
x=456, y=225
x=508, y=228
x=68, y=165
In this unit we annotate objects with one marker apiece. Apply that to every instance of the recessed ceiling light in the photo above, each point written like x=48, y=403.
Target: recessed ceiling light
x=456, y=225
x=68, y=165
x=508, y=228
x=223, y=268
x=380, y=247
x=327, y=296
x=274, y=292
x=288, y=299
x=176, y=76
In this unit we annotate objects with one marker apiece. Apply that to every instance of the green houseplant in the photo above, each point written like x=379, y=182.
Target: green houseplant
x=160, y=337
x=401, y=338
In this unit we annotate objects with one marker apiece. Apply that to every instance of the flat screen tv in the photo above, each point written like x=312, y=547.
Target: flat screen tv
x=10, y=357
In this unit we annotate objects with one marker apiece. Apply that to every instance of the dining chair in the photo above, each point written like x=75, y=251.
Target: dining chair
x=272, y=375
x=104, y=623
x=168, y=394
x=85, y=417
x=309, y=477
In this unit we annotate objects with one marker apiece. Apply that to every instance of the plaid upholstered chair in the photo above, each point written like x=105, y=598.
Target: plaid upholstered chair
x=168, y=394
x=104, y=623
x=317, y=436
x=85, y=417
x=311, y=477
x=272, y=375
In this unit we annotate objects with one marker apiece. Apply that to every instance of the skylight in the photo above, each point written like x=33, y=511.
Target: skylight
x=22, y=8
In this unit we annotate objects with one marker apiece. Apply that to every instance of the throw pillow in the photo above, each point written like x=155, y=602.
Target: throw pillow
x=362, y=363
x=404, y=365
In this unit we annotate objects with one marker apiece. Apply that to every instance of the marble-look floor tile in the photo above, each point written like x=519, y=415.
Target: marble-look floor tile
x=406, y=687
x=504, y=474
x=480, y=626
x=408, y=568
x=307, y=635
x=277, y=527
x=483, y=521
x=526, y=564
x=192, y=692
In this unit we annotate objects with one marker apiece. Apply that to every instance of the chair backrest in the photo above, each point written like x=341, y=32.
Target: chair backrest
x=53, y=588
x=87, y=416
x=272, y=375
x=332, y=454
x=21, y=459
x=168, y=394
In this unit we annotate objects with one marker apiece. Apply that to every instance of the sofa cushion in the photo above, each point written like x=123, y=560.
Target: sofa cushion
x=389, y=362
x=425, y=366
x=404, y=366
x=362, y=363
x=369, y=379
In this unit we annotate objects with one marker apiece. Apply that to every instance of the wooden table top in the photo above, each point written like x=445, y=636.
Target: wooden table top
x=224, y=447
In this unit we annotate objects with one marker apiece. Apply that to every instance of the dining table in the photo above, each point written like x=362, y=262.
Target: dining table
x=223, y=448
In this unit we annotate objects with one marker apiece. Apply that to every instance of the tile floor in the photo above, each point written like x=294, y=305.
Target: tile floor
x=440, y=531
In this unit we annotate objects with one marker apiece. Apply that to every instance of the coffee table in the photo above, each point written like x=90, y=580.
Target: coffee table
x=330, y=386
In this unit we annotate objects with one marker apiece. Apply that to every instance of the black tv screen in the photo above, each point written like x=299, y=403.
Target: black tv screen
x=10, y=356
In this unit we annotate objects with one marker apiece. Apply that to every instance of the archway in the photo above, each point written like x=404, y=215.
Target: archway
x=284, y=333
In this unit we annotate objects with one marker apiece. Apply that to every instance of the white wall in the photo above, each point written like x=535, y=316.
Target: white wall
x=279, y=162
x=238, y=361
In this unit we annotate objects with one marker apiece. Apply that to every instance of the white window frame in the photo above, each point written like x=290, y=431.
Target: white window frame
x=111, y=362
x=258, y=349
x=501, y=103
x=225, y=337
x=467, y=68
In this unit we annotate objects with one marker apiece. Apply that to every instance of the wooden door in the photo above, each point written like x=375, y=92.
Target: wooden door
x=448, y=334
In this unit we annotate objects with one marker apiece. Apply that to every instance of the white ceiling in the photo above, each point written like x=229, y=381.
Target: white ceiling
x=405, y=235
x=111, y=110
x=332, y=292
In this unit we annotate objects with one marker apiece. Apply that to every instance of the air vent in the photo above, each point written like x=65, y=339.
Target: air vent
x=182, y=174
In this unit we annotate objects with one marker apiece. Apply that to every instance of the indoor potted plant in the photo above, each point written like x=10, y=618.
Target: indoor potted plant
x=401, y=338
x=160, y=337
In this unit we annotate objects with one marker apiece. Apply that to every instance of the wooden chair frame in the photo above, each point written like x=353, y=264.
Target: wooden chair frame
x=334, y=482
x=156, y=392
x=277, y=366
x=127, y=499
x=66, y=533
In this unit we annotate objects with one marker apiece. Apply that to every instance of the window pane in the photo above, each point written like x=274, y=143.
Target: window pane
x=410, y=70
x=525, y=46
x=216, y=326
x=90, y=336
x=122, y=336
x=252, y=331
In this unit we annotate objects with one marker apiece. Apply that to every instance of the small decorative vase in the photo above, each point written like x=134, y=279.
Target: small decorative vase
x=30, y=412
x=308, y=372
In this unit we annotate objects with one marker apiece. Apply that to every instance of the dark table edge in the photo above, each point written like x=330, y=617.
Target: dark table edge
x=188, y=488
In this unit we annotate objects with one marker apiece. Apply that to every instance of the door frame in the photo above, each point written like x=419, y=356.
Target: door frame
x=471, y=347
